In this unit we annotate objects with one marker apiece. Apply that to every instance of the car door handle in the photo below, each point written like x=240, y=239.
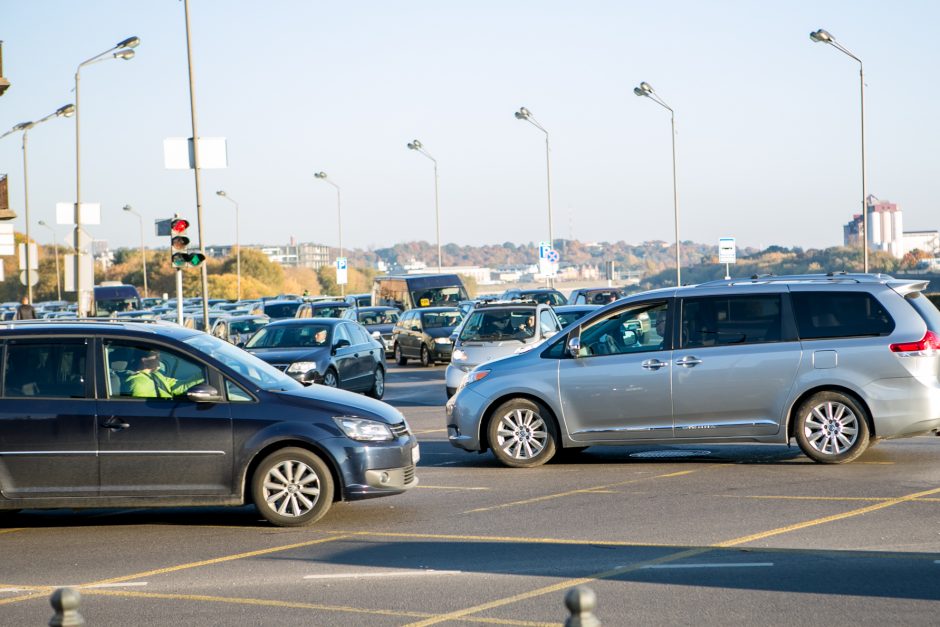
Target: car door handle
x=654, y=364
x=688, y=362
x=114, y=423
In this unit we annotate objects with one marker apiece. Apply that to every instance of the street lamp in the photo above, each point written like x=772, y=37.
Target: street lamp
x=238, y=250
x=525, y=114
x=339, y=219
x=122, y=50
x=63, y=111
x=417, y=145
x=55, y=252
x=822, y=36
x=143, y=252
x=645, y=89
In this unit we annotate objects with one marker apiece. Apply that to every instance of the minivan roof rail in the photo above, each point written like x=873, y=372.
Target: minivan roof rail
x=830, y=277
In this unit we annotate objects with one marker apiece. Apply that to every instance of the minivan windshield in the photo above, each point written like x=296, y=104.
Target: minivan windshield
x=263, y=375
x=498, y=324
x=437, y=296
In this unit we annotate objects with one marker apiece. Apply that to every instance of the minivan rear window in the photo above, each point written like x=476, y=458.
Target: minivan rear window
x=822, y=315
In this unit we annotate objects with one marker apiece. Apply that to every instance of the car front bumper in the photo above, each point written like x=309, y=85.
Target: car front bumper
x=464, y=412
x=377, y=469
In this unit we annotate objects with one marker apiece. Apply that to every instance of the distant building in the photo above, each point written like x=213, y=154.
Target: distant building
x=886, y=226
x=302, y=255
x=926, y=241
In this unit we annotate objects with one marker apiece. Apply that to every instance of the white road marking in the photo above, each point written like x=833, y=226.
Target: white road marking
x=391, y=573
x=116, y=585
x=743, y=565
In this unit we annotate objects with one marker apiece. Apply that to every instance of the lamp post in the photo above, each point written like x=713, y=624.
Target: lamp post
x=646, y=90
x=143, y=252
x=339, y=219
x=238, y=250
x=55, y=252
x=822, y=36
x=122, y=50
x=418, y=146
x=63, y=111
x=525, y=114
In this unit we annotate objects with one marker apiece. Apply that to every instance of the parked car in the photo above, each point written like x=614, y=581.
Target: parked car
x=833, y=361
x=378, y=321
x=329, y=351
x=595, y=295
x=569, y=313
x=232, y=430
x=424, y=334
x=237, y=329
x=546, y=295
x=322, y=309
x=494, y=330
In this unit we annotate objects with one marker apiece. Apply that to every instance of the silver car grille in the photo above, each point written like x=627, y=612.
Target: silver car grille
x=399, y=430
x=409, y=474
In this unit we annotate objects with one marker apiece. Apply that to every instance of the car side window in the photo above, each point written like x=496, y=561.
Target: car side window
x=139, y=370
x=548, y=323
x=236, y=394
x=340, y=333
x=358, y=334
x=722, y=320
x=45, y=369
x=626, y=331
x=822, y=315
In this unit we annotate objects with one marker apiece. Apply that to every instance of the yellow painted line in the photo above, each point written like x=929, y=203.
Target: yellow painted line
x=217, y=560
x=296, y=605
x=429, y=431
x=26, y=597
x=877, y=463
x=11, y=530
x=513, y=539
x=559, y=495
x=826, y=519
x=449, y=487
x=772, y=497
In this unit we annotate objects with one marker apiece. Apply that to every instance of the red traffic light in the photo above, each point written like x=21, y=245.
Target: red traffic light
x=178, y=226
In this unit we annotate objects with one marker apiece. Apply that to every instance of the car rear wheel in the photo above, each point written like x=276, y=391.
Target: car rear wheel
x=399, y=358
x=292, y=487
x=330, y=379
x=426, y=357
x=521, y=434
x=831, y=428
x=378, y=384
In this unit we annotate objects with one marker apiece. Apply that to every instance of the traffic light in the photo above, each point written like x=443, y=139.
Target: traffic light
x=181, y=257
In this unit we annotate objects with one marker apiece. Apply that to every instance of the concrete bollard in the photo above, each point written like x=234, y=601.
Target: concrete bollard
x=65, y=603
x=581, y=602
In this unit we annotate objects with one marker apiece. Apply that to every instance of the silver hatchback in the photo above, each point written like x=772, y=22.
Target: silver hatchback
x=834, y=361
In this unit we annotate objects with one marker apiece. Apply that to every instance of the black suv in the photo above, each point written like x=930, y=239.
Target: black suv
x=128, y=414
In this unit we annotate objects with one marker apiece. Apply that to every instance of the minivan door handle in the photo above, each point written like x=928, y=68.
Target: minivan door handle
x=654, y=364
x=688, y=362
x=114, y=423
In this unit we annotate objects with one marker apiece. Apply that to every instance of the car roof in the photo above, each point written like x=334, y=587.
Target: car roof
x=435, y=309
x=583, y=307
x=73, y=326
x=305, y=321
x=328, y=303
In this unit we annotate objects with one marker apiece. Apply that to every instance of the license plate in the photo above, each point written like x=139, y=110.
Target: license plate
x=415, y=455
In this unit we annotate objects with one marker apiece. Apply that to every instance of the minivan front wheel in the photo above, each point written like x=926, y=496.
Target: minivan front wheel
x=521, y=435
x=292, y=487
x=831, y=428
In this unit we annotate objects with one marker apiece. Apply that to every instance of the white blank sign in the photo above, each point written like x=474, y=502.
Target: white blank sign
x=178, y=153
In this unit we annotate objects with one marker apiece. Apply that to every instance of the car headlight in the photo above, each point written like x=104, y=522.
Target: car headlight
x=302, y=366
x=459, y=355
x=442, y=340
x=363, y=430
x=473, y=377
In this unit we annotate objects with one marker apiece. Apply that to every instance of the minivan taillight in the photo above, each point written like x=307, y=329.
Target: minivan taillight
x=929, y=343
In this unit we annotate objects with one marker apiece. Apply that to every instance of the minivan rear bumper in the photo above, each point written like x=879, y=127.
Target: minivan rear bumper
x=903, y=407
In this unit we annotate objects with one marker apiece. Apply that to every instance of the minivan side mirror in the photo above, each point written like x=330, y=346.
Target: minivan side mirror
x=203, y=393
x=574, y=344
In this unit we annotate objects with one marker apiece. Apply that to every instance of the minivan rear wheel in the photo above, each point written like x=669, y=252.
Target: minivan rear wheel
x=521, y=434
x=831, y=428
x=292, y=487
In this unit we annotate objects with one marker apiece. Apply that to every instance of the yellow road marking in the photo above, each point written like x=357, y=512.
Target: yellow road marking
x=514, y=539
x=217, y=560
x=11, y=530
x=296, y=605
x=429, y=431
x=559, y=495
x=449, y=487
x=826, y=519
x=26, y=597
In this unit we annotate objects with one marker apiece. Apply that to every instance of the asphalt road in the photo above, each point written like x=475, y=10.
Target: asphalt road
x=704, y=535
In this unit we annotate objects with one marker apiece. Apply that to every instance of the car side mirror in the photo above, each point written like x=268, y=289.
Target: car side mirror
x=574, y=344
x=203, y=393
x=453, y=338
x=340, y=344
x=630, y=338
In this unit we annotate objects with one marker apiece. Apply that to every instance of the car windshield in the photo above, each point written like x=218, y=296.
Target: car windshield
x=247, y=326
x=281, y=310
x=499, y=324
x=544, y=298
x=112, y=305
x=265, y=376
x=436, y=296
x=378, y=317
x=291, y=336
x=440, y=319
x=334, y=311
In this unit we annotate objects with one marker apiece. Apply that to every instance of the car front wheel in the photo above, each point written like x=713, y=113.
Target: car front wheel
x=330, y=379
x=831, y=428
x=399, y=358
x=377, y=390
x=292, y=487
x=521, y=434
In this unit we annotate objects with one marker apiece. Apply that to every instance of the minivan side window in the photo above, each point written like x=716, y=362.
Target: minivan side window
x=822, y=315
x=722, y=320
x=45, y=369
x=625, y=331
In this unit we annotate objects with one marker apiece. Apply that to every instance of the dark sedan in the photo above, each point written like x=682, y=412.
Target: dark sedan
x=378, y=321
x=424, y=334
x=329, y=351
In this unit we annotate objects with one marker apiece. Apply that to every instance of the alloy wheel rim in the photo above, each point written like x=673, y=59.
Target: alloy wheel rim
x=521, y=434
x=379, y=382
x=831, y=428
x=291, y=488
x=329, y=380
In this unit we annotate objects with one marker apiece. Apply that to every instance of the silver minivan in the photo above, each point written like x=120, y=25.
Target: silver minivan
x=833, y=361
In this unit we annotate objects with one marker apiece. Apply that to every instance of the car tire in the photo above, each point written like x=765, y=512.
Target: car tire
x=426, y=360
x=400, y=359
x=377, y=391
x=292, y=487
x=331, y=379
x=831, y=428
x=521, y=434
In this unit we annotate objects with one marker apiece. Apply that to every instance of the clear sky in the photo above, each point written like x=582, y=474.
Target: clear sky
x=768, y=121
